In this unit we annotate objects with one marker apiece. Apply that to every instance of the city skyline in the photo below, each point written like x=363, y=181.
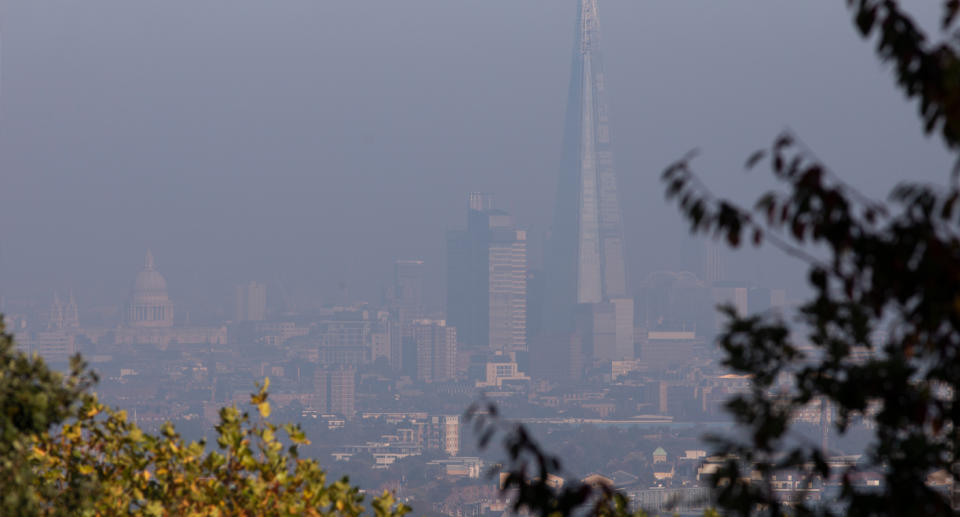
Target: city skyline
x=266, y=194
x=427, y=226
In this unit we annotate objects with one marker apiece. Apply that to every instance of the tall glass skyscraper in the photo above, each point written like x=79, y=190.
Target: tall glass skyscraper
x=585, y=260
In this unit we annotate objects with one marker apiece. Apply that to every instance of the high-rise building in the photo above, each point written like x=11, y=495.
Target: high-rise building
x=251, y=302
x=436, y=350
x=585, y=264
x=334, y=390
x=487, y=279
x=508, y=289
x=407, y=299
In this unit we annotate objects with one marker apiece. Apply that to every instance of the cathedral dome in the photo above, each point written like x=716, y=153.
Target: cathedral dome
x=149, y=282
x=149, y=304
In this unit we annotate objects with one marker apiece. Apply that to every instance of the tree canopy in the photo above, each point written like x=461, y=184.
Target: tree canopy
x=64, y=453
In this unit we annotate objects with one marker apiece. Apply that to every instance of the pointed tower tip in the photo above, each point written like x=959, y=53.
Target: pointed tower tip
x=148, y=262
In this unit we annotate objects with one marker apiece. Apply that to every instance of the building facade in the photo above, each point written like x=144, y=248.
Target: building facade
x=436, y=350
x=487, y=279
x=251, y=302
x=148, y=317
x=585, y=260
x=149, y=305
x=407, y=296
x=334, y=390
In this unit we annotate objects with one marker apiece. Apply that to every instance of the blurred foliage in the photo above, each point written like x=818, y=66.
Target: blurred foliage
x=889, y=269
x=883, y=323
x=64, y=453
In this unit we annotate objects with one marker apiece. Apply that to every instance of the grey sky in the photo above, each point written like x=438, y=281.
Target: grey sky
x=313, y=142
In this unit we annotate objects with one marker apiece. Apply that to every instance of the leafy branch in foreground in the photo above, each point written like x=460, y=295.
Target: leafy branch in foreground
x=883, y=323
x=532, y=478
x=890, y=271
x=65, y=453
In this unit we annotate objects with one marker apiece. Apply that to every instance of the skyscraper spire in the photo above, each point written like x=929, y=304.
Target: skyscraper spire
x=586, y=260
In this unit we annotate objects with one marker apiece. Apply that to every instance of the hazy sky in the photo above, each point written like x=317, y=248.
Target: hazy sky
x=306, y=143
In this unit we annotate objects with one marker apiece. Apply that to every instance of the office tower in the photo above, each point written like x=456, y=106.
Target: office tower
x=586, y=260
x=487, y=279
x=407, y=299
x=149, y=305
x=251, y=302
x=508, y=289
x=436, y=350
x=334, y=390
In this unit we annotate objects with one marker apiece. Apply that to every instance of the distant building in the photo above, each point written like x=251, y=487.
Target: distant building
x=487, y=279
x=606, y=329
x=407, y=297
x=149, y=305
x=499, y=370
x=557, y=357
x=277, y=333
x=675, y=300
x=659, y=455
x=405, y=300
x=251, y=302
x=62, y=316
x=444, y=434
x=585, y=260
x=351, y=336
x=436, y=350
x=52, y=345
x=661, y=350
x=334, y=391
x=508, y=289
x=148, y=318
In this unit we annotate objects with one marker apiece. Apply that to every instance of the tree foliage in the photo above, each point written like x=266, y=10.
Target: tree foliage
x=64, y=453
x=889, y=269
x=876, y=268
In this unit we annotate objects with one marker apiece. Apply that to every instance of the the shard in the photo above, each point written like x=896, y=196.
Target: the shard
x=585, y=260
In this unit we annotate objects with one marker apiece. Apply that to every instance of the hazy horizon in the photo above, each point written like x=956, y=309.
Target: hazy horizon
x=306, y=144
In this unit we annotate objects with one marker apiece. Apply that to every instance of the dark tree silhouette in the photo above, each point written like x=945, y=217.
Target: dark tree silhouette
x=891, y=266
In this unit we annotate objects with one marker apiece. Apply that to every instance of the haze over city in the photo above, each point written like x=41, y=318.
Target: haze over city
x=395, y=209
x=312, y=143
